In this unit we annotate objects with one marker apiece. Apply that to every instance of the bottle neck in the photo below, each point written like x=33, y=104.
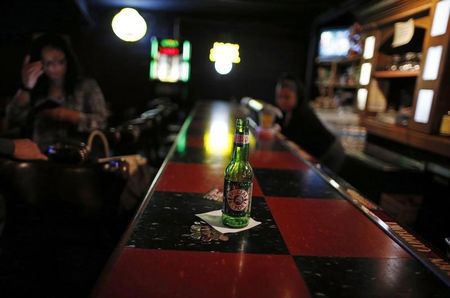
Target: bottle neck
x=241, y=146
x=240, y=153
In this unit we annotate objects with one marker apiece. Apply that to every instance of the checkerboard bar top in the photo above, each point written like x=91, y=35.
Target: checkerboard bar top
x=312, y=240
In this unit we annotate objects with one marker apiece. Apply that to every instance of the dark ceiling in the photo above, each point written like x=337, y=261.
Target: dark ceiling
x=21, y=15
x=234, y=6
x=253, y=8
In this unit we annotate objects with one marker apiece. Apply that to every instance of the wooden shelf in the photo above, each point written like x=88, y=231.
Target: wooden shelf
x=436, y=144
x=339, y=61
x=324, y=85
x=389, y=74
x=343, y=86
x=338, y=86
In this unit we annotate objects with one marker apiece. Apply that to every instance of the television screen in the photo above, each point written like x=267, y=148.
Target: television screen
x=334, y=43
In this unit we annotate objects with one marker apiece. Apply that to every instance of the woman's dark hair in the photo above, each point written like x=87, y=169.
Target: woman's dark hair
x=72, y=67
x=287, y=80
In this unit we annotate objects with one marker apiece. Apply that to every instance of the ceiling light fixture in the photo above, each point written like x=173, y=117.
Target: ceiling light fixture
x=129, y=25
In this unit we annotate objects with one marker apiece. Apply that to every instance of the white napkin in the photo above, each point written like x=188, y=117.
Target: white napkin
x=214, y=219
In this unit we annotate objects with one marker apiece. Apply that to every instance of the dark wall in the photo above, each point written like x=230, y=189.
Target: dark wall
x=121, y=68
x=267, y=48
x=19, y=20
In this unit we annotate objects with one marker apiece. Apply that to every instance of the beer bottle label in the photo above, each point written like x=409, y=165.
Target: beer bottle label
x=241, y=139
x=237, y=198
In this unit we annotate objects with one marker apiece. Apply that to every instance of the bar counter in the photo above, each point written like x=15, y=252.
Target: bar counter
x=315, y=239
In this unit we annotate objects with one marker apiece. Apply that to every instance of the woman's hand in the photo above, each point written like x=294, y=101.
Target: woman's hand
x=25, y=149
x=277, y=127
x=62, y=114
x=31, y=72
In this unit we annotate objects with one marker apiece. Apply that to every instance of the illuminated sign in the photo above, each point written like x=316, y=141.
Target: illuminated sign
x=224, y=51
x=441, y=17
x=432, y=63
x=223, y=67
x=170, y=60
x=170, y=43
x=169, y=51
x=224, y=55
x=369, y=47
x=361, y=98
x=424, y=103
x=364, y=77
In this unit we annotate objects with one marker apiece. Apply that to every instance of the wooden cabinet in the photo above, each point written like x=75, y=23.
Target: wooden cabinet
x=405, y=90
x=402, y=89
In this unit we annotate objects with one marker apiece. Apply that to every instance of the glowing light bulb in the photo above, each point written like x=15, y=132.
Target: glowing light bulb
x=223, y=67
x=129, y=25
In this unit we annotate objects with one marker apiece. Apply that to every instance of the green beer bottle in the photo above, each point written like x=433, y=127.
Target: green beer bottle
x=238, y=185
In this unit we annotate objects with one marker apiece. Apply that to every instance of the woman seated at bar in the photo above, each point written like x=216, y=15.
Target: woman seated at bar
x=54, y=103
x=301, y=125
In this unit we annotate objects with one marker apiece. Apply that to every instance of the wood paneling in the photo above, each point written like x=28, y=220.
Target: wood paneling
x=436, y=144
